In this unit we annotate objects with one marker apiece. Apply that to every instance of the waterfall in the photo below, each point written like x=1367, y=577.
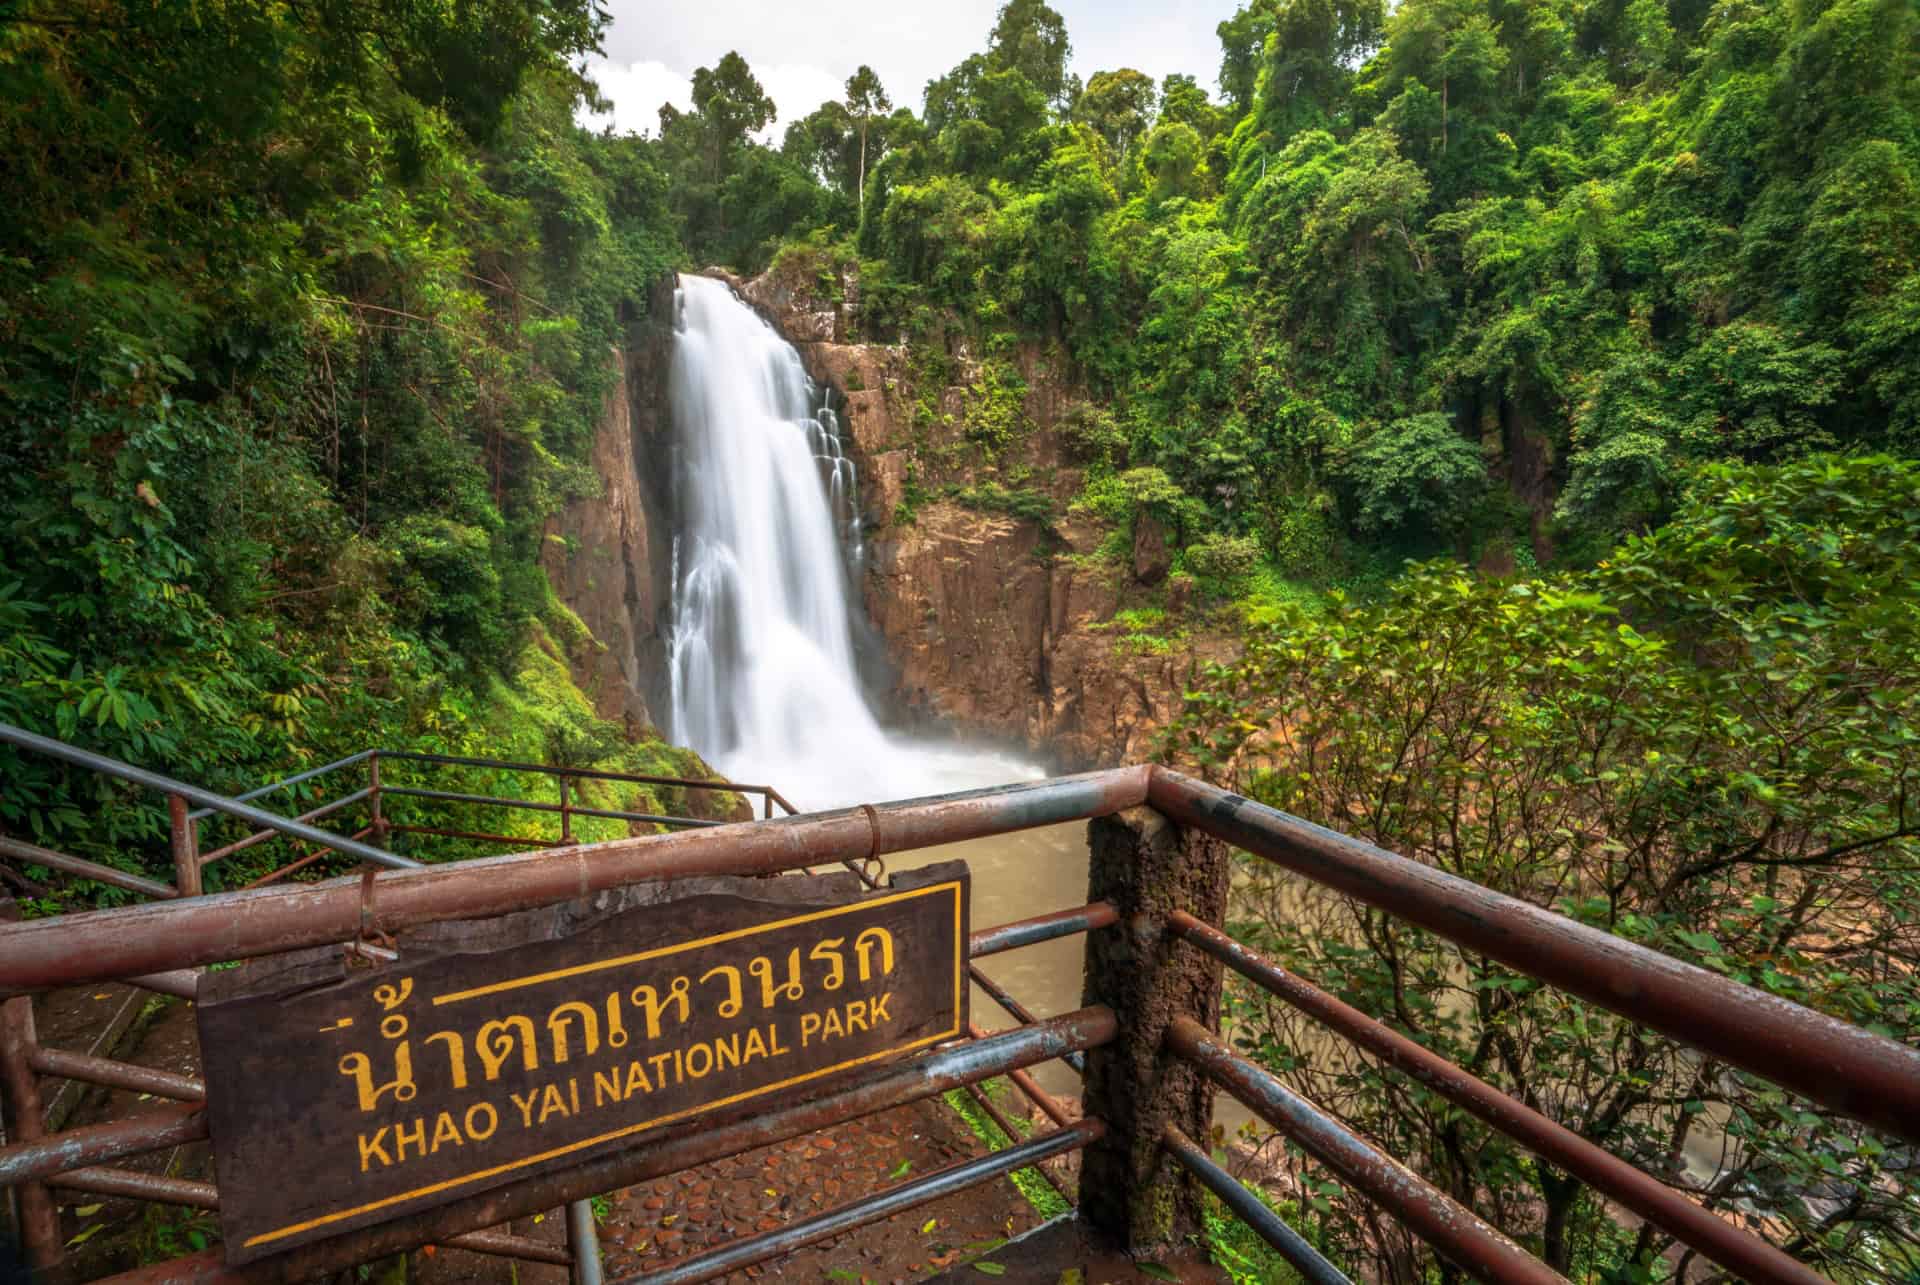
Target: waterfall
x=761, y=654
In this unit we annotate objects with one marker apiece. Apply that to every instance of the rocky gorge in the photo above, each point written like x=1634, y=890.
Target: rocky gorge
x=1005, y=614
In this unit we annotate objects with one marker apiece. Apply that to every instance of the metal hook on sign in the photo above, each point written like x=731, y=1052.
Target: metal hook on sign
x=872, y=870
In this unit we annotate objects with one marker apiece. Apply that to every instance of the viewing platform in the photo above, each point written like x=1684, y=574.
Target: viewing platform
x=729, y=1186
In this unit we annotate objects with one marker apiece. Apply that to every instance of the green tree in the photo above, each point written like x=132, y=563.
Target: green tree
x=866, y=99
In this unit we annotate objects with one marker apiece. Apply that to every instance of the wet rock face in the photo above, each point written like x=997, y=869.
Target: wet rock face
x=607, y=556
x=995, y=623
x=597, y=555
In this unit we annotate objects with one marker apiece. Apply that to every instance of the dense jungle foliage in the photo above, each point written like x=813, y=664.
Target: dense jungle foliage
x=1607, y=311
x=305, y=316
x=1475, y=276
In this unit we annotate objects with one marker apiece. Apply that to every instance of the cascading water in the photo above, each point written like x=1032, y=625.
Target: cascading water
x=763, y=672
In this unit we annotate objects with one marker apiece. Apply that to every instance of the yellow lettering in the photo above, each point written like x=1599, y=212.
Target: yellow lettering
x=835, y=1027
x=526, y=1108
x=401, y=1138
x=659, y=1062
x=756, y=1047
x=726, y=1051
x=700, y=1072
x=606, y=1087
x=809, y=1027
x=573, y=1093
x=877, y=1009
x=374, y=1148
x=552, y=1102
x=637, y=1081
x=445, y=1130
x=492, y=1117
x=773, y=1040
x=857, y=1015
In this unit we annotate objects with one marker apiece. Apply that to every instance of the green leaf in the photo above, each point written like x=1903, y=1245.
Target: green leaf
x=989, y=1269
x=902, y=1169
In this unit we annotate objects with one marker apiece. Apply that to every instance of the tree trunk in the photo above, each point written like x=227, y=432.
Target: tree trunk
x=860, y=188
x=1560, y=1195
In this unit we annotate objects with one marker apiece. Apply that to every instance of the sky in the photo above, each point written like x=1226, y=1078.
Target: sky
x=802, y=51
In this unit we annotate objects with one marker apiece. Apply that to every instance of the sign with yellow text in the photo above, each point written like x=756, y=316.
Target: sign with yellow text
x=492, y=1051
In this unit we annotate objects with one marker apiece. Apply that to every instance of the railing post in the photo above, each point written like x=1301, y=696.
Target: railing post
x=566, y=813
x=583, y=1243
x=185, y=834
x=35, y=1217
x=377, y=817
x=1130, y=1190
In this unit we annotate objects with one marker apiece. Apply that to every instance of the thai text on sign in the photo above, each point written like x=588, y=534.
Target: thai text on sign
x=497, y=1050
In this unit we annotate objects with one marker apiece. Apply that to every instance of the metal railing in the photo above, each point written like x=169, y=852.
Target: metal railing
x=1147, y=1032
x=84, y=1155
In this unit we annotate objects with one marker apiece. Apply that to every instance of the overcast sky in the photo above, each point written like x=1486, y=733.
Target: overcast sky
x=802, y=51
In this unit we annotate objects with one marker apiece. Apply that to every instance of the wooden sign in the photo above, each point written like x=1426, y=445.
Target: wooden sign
x=342, y=1095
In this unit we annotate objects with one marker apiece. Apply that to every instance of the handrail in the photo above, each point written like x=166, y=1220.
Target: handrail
x=1746, y=1255
x=1430, y=1213
x=1293, y=1247
x=99, y=945
x=1843, y=1067
x=587, y=773
x=113, y=767
x=34, y=854
x=201, y=814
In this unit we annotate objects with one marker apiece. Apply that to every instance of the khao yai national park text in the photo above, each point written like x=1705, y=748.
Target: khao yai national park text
x=1064, y=642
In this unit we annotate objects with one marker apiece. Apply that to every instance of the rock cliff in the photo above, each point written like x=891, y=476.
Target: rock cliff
x=1002, y=612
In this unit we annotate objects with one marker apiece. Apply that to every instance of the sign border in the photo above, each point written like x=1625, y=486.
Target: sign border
x=954, y=886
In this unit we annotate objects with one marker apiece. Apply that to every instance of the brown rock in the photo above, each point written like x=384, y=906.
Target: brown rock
x=1152, y=558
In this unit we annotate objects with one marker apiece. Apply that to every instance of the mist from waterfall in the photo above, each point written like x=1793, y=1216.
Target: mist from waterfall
x=765, y=683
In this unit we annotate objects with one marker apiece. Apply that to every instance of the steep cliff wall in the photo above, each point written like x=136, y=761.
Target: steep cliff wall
x=607, y=556
x=1004, y=611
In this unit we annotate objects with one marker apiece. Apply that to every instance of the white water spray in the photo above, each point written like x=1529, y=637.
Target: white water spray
x=764, y=683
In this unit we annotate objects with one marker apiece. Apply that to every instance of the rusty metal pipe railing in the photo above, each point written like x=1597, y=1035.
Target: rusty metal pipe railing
x=1739, y=1251
x=897, y=1085
x=182, y=983
x=877, y=1208
x=578, y=773
x=984, y=1100
x=301, y=863
x=1014, y=1008
x=523, y=843
x=1251, y=1210
x=100, y=763
x=103, y=944
x=1843, y=1067
x=132, y=1185
x=261, y=836
x=506, y=1245
x=297, y=778
x=1029, y=932
x=80, y=867
x=532, y=805
x=116, y=1075
x=1048, y=1104
x=1452, y=1229
x=40, y=1158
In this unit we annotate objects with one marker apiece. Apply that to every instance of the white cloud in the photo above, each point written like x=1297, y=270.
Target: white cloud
x=803, y=53
x=637, y=90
